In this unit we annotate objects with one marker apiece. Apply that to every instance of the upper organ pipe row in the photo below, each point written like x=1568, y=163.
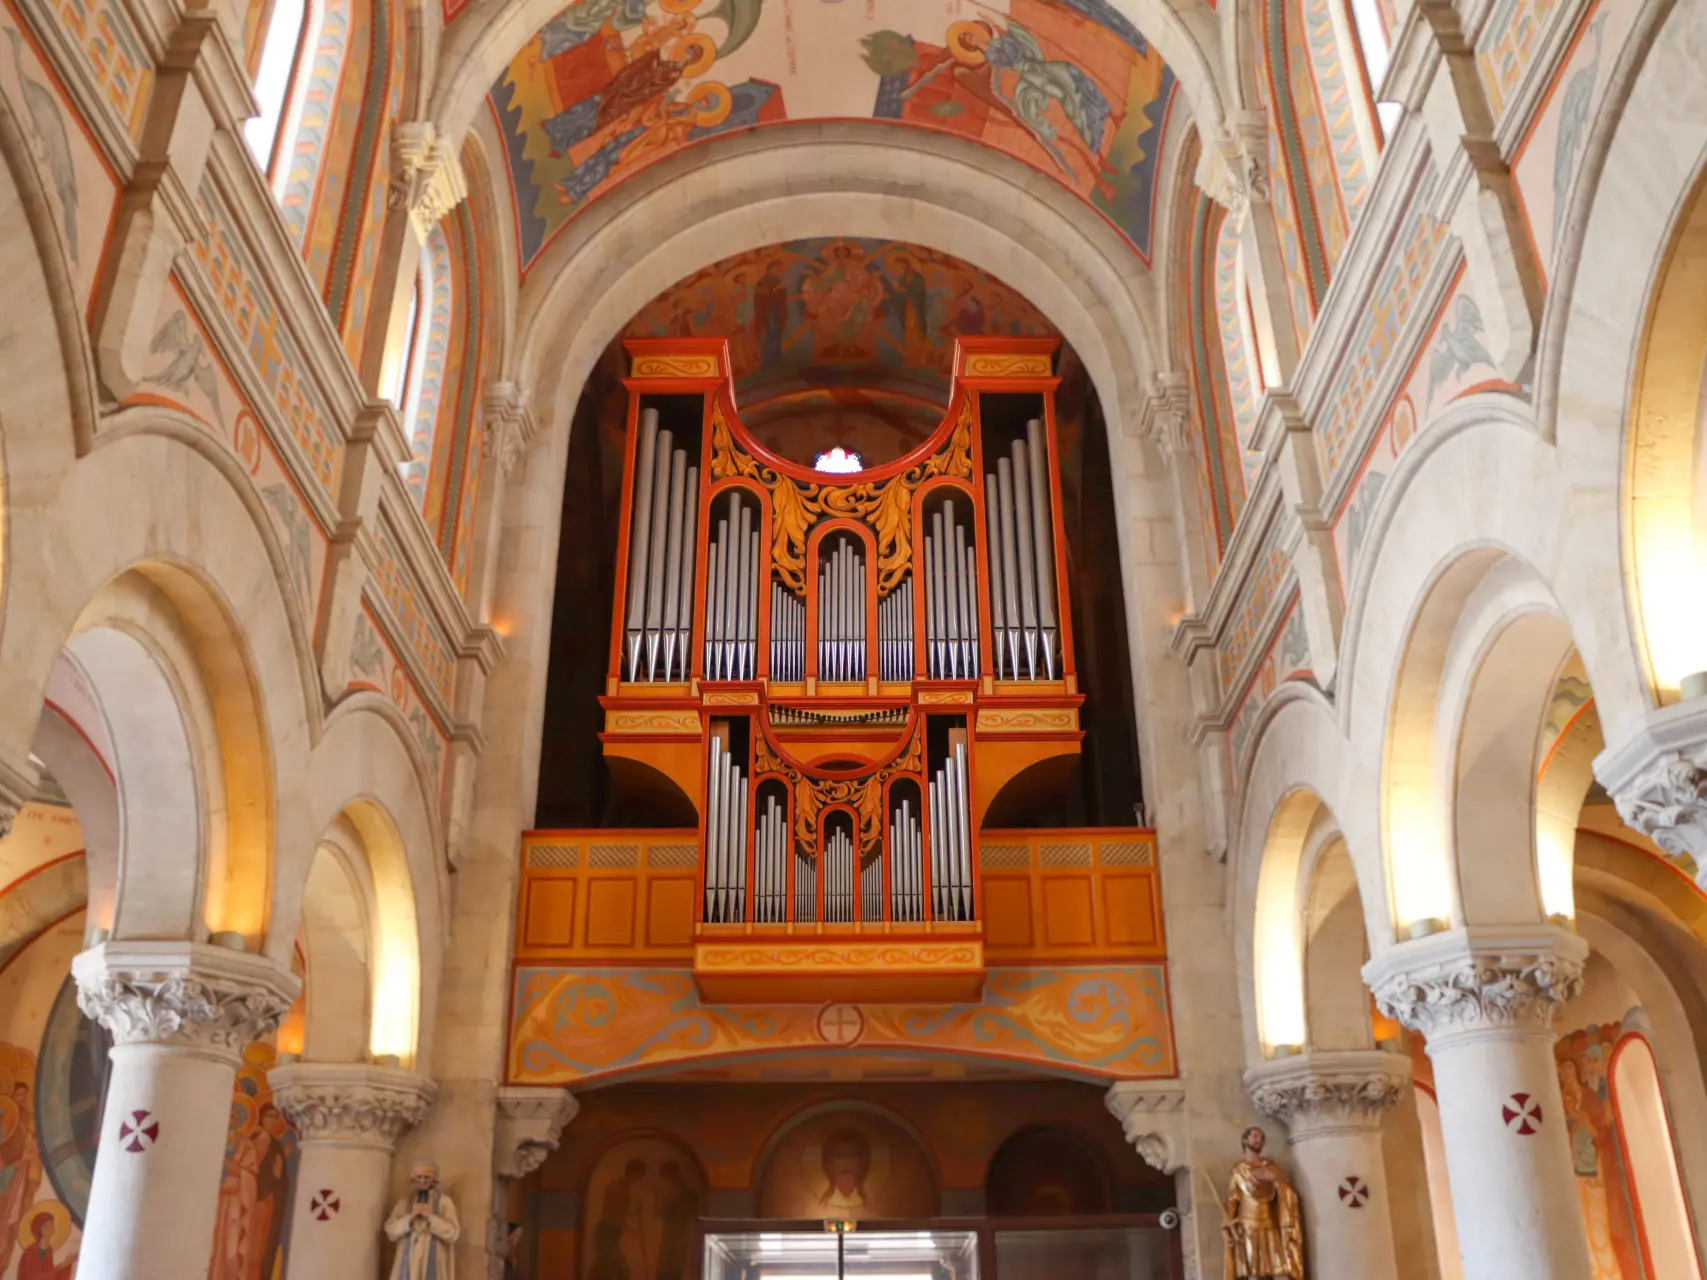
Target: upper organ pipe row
x=1022, y=560
x=732, y=591
x=951, y=617
x=661, y=557
x=841, y=611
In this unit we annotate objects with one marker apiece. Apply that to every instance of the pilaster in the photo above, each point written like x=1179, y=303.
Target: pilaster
x=1315, y=562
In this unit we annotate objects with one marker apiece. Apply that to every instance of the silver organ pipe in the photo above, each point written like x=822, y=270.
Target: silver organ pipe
x=660, y=557
x=871, y=887
x=841, y=612
x=895, y=632
x=838, y=876
x=731, y=610
x=725, y=837
x=951, y=616
x=904, y=872
x=788, y=634
x=770, y=863
x=1022, y=562
x=805, y=887
x=951, y=838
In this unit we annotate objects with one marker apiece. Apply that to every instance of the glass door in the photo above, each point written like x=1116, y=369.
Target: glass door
x=835, y=1255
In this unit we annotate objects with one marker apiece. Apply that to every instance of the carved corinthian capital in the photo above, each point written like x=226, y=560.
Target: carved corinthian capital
x=351, y=1104
x=1329, y=1094
x=530, y=1125
x=1478, y=979
x=1658, y=779
x=184, y=994
x=1152, y=1114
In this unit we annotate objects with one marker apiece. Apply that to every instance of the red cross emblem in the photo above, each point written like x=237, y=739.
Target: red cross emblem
x=1354, y=1193
x=840, y=1023
x=324, y=1206
x=138, y=1133
x=1522, y=1115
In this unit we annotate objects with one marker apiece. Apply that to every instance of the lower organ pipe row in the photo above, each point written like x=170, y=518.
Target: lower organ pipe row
x=838, y=876
x=841, y=613
x=732, y=589
x=951, y=615
x=1022, y=561
x=788, y=634
x=951, y=839
x=895, y=632
x=906, y=862
x=725, y=838
x=660, y=558
x=770, y=864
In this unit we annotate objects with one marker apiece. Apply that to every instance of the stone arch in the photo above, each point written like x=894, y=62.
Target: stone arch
x=1641, y=162
x=1289, y=818
x=125, y=549
x=371, y=798
x=742, y=191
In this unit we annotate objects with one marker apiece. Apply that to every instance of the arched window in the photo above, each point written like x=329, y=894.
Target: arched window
x=1374, y=44
x=1649, y=1152
x=290, y=39
x=421, y=369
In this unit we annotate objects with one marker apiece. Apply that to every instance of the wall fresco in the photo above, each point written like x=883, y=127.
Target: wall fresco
x=575, y=1025
x=1068, y=86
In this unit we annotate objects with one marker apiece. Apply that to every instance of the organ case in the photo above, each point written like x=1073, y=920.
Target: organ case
x=848, y=676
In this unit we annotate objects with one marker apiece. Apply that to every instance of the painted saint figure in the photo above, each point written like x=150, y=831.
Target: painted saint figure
x=424, y=1227
x=1261, y=1222
x=46, y=1231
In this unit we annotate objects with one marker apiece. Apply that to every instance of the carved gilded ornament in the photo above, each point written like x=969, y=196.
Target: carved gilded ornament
x=864, y=795
x=848, y=956
x=1002, y=364
x=887, y=506
x=685, y=721
x=992, y=719
x=676, y=366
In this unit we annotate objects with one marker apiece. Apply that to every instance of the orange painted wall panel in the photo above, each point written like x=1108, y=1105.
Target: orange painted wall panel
x=1067, y=917
x=1131, y=910
x=1007, y=912
x=669, y=914
x=610, y=913
x=550, y=918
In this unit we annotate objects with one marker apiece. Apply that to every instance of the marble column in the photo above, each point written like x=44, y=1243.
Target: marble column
x=348, y=1117
x=530, y=1125
x=180, y=1014
x=1332, y=1105
x=1485, y=998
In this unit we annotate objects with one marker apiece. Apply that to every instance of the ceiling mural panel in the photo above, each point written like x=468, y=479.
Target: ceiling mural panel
x=1070, y=87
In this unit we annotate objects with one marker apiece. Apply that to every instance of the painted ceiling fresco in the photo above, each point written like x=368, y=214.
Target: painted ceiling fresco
x=840, y=340
x=1068, y=86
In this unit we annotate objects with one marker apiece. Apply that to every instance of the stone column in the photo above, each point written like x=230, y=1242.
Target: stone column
x=348, y=1117
x=179, y=1014
x=530, y=1125
x=1485, y=998
x=1332, y=1105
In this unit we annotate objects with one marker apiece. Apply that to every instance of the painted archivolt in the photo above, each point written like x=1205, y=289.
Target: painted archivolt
x=885, y=505
x=574, y=1024
x=864, y=795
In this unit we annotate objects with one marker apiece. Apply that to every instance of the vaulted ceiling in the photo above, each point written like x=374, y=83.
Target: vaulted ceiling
x=1070, y=87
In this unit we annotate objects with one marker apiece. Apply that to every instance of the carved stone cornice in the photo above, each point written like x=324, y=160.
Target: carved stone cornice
x=1478, y=979
x=350, y=1104
x=427, y=178
x=509, y=424
x=1234, y=170
x=184, y=994
x=1167, y=409
x=1329, y=1094
x=1152, y=1115
x=1658, y=780
x=530, y=1125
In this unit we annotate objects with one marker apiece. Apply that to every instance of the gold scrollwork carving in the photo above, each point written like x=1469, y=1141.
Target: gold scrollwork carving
x=652, y=721
x=991, y=364
x=864, y=795
x=675, y=366
x=991, y=719
x=886, y=506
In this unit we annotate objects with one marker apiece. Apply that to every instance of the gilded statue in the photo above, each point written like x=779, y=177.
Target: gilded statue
x=1261, y=1222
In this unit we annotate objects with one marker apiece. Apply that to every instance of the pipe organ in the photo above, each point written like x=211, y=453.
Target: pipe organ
x=847, y=676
